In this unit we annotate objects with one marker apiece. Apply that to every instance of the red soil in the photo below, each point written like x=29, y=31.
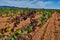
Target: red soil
x=49, y=31
x=4, y=19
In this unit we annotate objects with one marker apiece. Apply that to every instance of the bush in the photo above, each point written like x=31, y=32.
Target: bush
x=18, y=32
x=30, y=29
x=42, y=19
x=0, y=36
x=0, y=31
x=11, y=37
x=8, y=37
x=8, y=29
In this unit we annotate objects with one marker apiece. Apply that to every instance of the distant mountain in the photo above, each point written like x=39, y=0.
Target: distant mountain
x=8, y=7
x=15, y=7
x=22, y=8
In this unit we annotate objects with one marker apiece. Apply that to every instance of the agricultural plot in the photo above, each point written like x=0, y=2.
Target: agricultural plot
x=50, y=30
x=24, y=24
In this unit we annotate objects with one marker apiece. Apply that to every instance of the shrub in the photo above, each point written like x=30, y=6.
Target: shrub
x=30, y=29
x=8, y=29
x=0, y=36
x=42, y=19
x=18, y=32
x=0, y=31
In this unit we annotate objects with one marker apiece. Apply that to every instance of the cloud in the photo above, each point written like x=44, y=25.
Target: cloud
x=43, y=4
x=29, y=4
x=19, y=0
x=22, y=0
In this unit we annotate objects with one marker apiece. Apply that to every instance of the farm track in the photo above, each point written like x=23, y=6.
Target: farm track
x=50, y=30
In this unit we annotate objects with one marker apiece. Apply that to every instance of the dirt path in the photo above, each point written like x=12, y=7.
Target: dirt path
x=49, y=31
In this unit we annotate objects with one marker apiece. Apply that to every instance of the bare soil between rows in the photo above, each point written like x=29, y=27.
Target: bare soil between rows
x=50, y=30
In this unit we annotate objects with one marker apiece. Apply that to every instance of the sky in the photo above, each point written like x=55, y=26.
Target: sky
x=49, y=4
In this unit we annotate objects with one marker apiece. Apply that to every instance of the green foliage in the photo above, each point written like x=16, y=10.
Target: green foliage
x=0, y=31
x=19, y=31
x=0, y=14
x=11, y=37
x=25, y=28
x=0, y=36
x=43, y=19
x=8, y=29
x=28, y=29
x=8, y=37
x=14, y=36
x=45, y=15
x=18, y=11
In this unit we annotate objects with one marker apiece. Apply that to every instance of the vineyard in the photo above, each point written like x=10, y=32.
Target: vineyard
x=27, y=24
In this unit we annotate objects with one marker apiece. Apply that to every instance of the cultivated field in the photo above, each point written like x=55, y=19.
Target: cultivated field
x=18, y=24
